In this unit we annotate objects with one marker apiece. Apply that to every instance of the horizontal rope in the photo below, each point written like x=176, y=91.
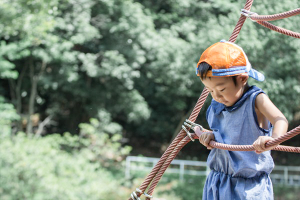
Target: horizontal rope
x=274, y=17
x=214, y=144
x=276, y=141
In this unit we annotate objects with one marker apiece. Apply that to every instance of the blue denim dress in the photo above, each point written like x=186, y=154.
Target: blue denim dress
x=238, y=175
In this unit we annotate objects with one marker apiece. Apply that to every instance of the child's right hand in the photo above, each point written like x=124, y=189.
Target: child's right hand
x=205, y=137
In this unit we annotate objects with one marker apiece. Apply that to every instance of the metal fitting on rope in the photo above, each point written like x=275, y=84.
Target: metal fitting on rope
x=134, y=196
x=192, y=126
x=148, y=196
x=248, y=14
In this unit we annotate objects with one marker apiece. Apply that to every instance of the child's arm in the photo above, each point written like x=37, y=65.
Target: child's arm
x=280, y=125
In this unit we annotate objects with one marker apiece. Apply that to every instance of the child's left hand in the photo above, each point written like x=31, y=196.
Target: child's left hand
x=260, y=144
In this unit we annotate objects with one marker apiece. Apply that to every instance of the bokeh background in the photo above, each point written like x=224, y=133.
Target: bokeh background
x=85, y=83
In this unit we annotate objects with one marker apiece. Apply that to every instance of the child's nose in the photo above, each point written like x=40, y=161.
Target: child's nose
x=218, y=95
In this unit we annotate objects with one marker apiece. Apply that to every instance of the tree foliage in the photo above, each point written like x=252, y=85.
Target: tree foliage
x=67, y=61
x=114, y=72
x=63, y=167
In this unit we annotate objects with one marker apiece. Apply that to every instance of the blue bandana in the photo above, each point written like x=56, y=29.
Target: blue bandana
x=219, y=107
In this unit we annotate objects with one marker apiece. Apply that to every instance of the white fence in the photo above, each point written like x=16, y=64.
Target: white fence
x=287, y=175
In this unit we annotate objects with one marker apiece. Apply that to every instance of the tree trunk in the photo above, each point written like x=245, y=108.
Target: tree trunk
x=34, y=81
x=15, y=93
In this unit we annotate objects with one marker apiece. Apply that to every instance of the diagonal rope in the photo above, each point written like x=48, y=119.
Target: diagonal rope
x=283, y=15
x=279, y=29
x=181, y=140
x=240, y=23
x=262, y=20
x=174, y=143
x=196, y=110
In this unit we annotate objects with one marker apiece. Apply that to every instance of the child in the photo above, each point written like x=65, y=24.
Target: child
x=239, y=114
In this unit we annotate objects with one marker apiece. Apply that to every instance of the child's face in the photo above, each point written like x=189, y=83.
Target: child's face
x=223, y=89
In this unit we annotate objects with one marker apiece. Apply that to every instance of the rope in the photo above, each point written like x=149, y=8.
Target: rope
x=174, y=143
x=279, y=29
x=276, y=141
x=262, y=20
x=192, y=118
x=240, y=23
x=181, y=139
x=214, y=144
x=197, y=109
x=174, y=153
x=284, y=15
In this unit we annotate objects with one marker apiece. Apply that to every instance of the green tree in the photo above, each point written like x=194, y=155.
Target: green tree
x=64, y=167
x=135, y=60
x=62, y=77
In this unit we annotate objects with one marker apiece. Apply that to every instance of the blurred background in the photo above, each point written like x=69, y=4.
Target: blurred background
x=86, y=83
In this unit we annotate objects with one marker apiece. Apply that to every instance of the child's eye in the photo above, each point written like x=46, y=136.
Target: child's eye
x=222, y=90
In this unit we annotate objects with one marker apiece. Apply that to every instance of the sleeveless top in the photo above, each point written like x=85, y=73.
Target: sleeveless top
x=238, y=174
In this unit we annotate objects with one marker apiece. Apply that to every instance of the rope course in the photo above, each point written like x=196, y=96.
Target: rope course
x=184, y=136
x=262, y=20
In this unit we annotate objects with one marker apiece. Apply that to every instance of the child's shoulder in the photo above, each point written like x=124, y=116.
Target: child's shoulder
x=262, y=100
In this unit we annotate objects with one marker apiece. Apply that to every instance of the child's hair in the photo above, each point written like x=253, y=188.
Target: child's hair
x=204, y=68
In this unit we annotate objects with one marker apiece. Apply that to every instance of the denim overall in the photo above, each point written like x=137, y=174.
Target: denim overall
x=238, y=175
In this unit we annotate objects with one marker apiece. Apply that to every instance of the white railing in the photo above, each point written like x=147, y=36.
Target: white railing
x=131, y=165
x=287, y=175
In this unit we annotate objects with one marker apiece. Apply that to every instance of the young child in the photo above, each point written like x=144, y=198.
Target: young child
x=239, y=114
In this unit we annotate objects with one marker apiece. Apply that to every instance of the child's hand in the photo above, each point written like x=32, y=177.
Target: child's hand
x=205, y=138
x=260, y=144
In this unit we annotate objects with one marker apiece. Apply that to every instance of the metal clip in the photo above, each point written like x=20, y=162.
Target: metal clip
x=147, y=195
x=134, y=196
x=188, y=133
x=248, y=14
x=192, y=126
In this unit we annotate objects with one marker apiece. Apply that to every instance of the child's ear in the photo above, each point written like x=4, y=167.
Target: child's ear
x=243, y=78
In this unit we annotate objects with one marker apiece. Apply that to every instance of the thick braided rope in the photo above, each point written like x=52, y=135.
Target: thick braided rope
x=276, y=16
x=174, y=153
x=240, y=23
x=214, y=144
x=174, y=143
x=276, y=141
x=194, y=115
x=251, y=148
x=288, y=135
x=279, y=29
